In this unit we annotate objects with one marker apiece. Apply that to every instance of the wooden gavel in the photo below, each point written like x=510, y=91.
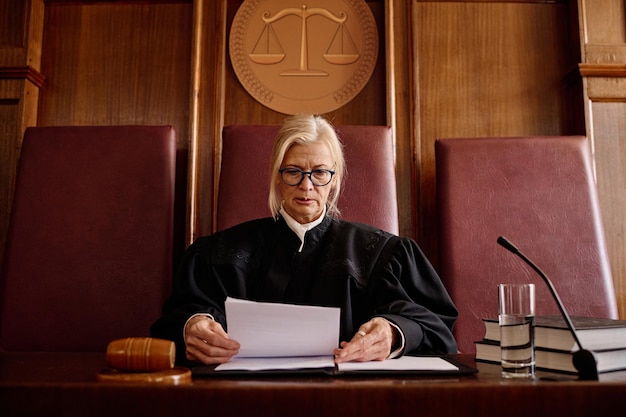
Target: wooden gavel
x=143, y=359
x=141, y=354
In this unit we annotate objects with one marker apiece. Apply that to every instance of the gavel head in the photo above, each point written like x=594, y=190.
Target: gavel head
x=141, y=354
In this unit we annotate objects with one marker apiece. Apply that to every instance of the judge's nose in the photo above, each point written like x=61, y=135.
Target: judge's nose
x=306, y=183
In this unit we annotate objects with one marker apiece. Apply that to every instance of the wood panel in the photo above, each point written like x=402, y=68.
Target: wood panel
x=207, y=110
x=402, y=110
x=9, y=153
x=21, y=27
x=117, y=64
x=603, y=66
x=603, y=21
x=12, y=23
x=609, y=121
x=491, y=69
x=18, y=97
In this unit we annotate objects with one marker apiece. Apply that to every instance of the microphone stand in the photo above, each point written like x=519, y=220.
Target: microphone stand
x=584, y=360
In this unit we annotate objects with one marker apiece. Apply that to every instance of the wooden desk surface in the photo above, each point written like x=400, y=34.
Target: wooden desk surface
x=48, y=384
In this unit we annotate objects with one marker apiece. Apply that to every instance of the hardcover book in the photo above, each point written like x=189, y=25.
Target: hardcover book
x=551, y=332
x=555, y=360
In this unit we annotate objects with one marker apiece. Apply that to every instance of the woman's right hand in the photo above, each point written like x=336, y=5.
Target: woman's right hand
x=207, y=342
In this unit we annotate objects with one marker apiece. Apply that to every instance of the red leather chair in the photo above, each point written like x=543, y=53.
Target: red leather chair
x=368, y=192
x=538, y=192
x=89, y=249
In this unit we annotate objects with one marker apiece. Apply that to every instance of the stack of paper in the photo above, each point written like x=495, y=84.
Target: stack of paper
x=276, y=336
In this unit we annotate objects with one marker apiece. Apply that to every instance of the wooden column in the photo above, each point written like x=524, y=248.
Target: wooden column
x=21, y=30
x=206, y=112
x=402, y=113
x=603, y=67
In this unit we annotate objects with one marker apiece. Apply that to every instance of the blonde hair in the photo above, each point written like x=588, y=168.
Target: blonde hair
x=303, y=129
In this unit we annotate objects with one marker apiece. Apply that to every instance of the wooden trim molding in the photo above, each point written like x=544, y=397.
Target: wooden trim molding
x=401, y=110
x=206, y=113
x=605, y=82
x=496, y=1
x=27, y=72
x=91, y=2
x=602, y=70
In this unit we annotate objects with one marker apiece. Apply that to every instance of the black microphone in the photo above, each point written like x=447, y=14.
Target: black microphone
x=584, y=360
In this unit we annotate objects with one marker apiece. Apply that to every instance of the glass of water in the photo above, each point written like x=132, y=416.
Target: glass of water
x=517, y=330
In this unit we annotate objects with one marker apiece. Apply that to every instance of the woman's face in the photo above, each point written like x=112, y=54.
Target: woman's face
x=305, y=202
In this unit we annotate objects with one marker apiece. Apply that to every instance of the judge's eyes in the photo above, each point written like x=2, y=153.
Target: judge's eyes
x=294, y=176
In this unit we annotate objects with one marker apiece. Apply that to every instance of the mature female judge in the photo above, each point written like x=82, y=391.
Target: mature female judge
x=392, y=301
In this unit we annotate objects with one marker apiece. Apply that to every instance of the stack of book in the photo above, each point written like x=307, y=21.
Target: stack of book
x=555, y=345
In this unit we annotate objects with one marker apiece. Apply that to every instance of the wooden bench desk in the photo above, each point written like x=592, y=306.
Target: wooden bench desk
x=55, y=384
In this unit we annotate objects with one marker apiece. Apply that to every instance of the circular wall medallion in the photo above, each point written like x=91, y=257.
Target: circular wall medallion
x=303, y=56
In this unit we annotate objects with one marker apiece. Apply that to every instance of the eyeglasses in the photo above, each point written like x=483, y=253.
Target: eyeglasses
x=294, y=176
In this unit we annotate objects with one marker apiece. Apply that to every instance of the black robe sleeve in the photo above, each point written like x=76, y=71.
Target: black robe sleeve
x=193, y=292
x=408, y=292
x=224, y=264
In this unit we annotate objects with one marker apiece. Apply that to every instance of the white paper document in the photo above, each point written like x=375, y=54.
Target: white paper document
x=276, y=336
x=405, y=363
x=275, y=364
x=282, y=330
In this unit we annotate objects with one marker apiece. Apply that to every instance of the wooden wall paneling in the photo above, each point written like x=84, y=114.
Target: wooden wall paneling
x=603, y=67
x=10, y=103
x=207, y=97
x=19, y=95
x=602, y=21
x=21, y=29
x=609, y=125
x=402, y=105
x=117, y=64
x=489, y=69
x=18, y=104
x=11, y=24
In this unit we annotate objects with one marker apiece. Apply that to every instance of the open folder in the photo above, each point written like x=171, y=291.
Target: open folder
x=280, y=338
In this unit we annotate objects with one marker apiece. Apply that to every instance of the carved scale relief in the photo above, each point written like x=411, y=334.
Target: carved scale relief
x=311, y=57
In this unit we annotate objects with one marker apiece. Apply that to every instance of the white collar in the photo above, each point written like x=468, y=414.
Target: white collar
x=298, y=228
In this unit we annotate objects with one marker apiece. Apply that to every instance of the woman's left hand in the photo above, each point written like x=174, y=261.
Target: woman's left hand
x=372, y=342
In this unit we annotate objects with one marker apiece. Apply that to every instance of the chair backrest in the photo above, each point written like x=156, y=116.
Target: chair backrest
x=368, y=192
x=89, y=248
x=538, y=192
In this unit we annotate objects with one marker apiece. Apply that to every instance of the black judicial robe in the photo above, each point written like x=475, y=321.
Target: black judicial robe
x=363, y=270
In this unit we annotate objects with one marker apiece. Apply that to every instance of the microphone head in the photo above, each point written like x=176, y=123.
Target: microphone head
x=504, y=242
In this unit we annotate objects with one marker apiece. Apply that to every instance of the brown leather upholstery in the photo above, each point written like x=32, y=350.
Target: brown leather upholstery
x=89, y=250
x=539, y=192
x=368, y=192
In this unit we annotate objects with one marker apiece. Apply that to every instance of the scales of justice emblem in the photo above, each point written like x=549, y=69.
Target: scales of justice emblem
x=306, y=58
x=341, y=39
